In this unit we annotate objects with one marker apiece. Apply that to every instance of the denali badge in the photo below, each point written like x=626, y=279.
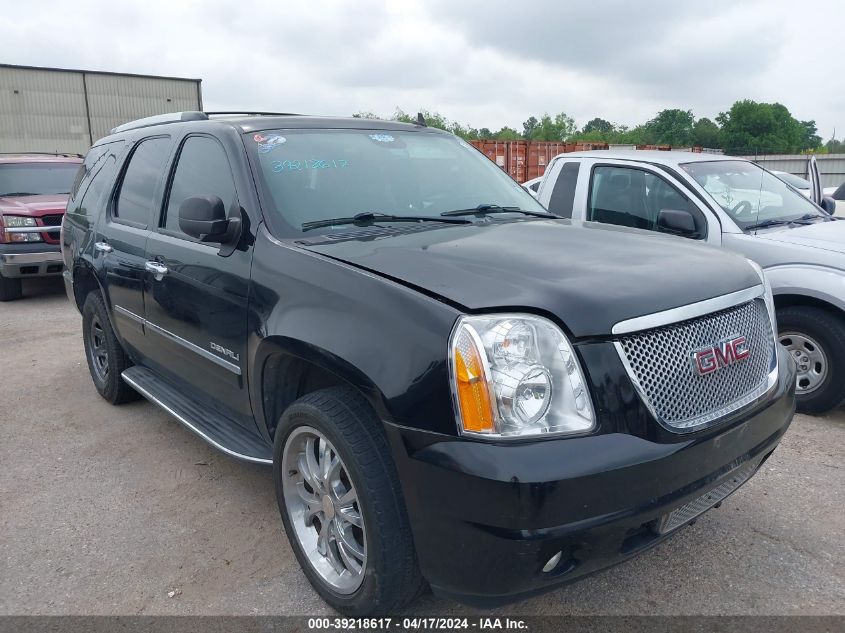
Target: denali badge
x=709, y=359
x=226, y=352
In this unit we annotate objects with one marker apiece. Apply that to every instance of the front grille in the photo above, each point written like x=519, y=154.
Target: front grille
x=52, y=220
x=659, y=362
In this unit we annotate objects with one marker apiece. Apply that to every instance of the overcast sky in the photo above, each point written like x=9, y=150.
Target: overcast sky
x=482, y=62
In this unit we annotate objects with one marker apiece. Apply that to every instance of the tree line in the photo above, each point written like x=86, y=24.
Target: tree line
x=748, y=127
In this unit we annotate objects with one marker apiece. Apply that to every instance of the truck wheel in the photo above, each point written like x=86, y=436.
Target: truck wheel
x=105, y=355
x=815, y=339
x=10, y=288
x=341, y=504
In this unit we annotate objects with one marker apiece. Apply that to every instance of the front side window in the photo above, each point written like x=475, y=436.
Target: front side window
x=202, y=170
x=751, y=195
x=634, y=197
x=36, y=179
x=137, y=194
x=795, y=181
x=315, y=175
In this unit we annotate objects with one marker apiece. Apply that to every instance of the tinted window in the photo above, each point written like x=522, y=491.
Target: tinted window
x=83, y=175
x=633, y=197
x=138, y=189
x=99, y=181
x=563, y=195
x=202, y=170
x=33, y=179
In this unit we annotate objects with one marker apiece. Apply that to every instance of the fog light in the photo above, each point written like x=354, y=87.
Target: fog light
x=553, y=561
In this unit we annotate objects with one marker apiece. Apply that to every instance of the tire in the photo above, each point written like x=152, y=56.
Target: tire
x=389, y=577
x=10, y=289
x=104, y=353
x=816, y=340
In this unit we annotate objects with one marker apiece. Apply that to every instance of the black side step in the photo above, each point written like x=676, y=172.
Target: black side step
x=218, y=430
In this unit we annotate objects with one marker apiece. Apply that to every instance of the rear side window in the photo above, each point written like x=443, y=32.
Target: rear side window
x=202, y=170
x=137, y=194
x=94, y=176
x=563, y=195
x=86, y=169
x=99, y=181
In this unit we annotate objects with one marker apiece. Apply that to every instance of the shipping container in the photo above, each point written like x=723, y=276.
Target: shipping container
x=661, y=148
x=526, y=160
x=62, y=110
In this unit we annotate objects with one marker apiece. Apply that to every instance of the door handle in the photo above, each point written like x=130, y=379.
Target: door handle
x=103, y=247
x=156, y=269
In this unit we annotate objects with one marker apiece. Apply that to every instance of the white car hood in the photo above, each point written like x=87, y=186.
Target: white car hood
x=829, y=236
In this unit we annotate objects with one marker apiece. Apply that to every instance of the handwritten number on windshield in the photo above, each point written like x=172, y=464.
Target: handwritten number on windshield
x=300, y=165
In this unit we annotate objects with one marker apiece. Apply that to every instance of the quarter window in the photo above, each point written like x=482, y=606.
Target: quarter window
x=202, y=170
x=563, y=195
x=137, y=194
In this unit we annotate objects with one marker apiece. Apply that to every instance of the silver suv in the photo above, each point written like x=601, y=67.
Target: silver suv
x=735, y=204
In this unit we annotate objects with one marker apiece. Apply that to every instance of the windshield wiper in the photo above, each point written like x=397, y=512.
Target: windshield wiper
x=803, y=220
x=17, y=194
x=485, y=209
x=367, y=218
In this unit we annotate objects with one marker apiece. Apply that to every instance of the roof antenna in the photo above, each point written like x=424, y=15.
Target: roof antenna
x=421, y=119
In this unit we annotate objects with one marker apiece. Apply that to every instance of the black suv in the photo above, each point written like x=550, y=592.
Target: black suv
x=453, y=386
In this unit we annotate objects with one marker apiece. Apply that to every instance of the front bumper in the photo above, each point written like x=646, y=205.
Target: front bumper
x=30, y=260
x=486, y=518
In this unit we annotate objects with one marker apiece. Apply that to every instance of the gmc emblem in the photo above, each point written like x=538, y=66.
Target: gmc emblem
x=727, y=352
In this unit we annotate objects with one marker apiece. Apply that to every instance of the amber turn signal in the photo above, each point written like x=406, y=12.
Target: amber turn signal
x=473, y=390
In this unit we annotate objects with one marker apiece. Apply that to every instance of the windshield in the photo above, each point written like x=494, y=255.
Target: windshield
x=32, y=179
x=749, y=194
x=314, y=175
x=790, y=179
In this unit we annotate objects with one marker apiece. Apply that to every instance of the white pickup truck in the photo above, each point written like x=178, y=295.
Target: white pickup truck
x=735, y=204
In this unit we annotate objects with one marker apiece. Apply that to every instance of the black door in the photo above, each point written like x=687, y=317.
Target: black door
x=121, y=237
x=196, y=298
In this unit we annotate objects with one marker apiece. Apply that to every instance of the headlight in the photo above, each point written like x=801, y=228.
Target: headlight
x=14, y=221
x=17, y=221
x=769, y=298
x=516, y=375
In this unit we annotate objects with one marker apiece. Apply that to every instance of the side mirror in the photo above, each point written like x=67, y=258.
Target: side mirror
x=829, y=205
x=677, y=222
x=204, y=217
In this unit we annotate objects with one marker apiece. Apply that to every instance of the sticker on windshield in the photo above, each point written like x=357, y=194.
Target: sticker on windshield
x=382, y=138
x=268, y=143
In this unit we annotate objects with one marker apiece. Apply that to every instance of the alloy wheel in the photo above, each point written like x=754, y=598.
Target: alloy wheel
x=324, y=509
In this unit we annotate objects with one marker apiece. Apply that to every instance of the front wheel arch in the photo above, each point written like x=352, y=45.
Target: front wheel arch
x=288, y=369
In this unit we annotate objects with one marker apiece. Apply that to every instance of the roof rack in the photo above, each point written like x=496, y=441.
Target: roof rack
x=160, y=119
x=235, y=112
x=65, y=154
x=175, y=117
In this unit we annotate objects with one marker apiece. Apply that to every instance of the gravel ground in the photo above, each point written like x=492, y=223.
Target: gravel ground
x=108, y=510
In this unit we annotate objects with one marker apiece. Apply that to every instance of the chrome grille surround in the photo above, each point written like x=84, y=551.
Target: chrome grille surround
x=659, y=363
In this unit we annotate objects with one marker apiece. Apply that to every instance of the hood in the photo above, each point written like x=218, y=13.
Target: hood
x=590, y=276
x=33, y=205
x=829, y=236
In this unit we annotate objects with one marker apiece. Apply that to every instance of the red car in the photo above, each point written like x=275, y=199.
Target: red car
x=33, y=193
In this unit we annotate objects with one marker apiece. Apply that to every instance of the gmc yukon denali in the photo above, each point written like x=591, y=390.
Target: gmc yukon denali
x=454, y=387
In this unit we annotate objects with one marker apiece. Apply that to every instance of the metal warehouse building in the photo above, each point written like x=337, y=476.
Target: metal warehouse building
x=62, y=110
